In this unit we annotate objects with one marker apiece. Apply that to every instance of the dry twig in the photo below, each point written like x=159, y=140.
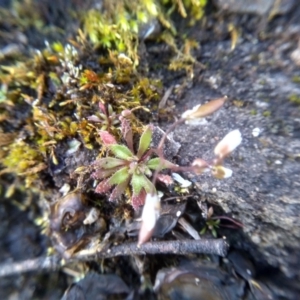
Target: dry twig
x=51, y=263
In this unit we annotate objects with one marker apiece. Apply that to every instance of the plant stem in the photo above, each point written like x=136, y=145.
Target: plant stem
x=159, y=149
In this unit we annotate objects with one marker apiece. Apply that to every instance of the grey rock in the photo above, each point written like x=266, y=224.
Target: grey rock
x=259, y=7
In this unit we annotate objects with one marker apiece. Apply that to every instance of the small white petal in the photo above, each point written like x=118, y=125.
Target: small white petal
x=228, y=143
x=183, y=182
x=256, y=132
x=196, y=122
x=190, y=112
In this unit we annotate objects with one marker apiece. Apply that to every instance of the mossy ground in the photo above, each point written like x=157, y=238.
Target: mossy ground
x=48, y=94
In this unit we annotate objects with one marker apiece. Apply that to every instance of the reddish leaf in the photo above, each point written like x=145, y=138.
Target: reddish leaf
x=100, y=174
x=138, y=200
x=127, y=132
x=94, y=118
x=102, y=108
x=107, y=138
x=118, y=190
x=103, y=187
x=109, y=163
x=166, y=179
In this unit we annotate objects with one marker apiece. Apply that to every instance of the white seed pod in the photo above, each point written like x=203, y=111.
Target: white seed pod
x=201, y=111
x=231, y=141
x=150, y=215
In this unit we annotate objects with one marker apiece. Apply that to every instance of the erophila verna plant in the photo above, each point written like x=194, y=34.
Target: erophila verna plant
x=124, y=167
x=127, y=167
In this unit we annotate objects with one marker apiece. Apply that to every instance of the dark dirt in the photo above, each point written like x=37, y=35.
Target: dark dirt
x=259, y=77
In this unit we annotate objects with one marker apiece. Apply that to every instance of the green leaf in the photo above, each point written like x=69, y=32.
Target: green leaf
x=145, y=141
x=154, y=163
x=109, y=163
x=214, y=232
x=119, y=177
x=140, y=181
x=203, y=230
x=121, y=151
x=147, y=171
x=158, y=163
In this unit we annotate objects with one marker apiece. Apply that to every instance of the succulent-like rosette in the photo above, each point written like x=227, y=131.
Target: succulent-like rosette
x=124, y=167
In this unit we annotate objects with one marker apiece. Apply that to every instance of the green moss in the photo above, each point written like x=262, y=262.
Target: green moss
x=296, y=79
x=262, y=82
x=294, y=99
x=118, y=27
x=266, y=113
x=23, y=160
x=238, y=103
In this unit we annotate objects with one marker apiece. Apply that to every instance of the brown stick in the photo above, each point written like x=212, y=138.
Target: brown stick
x=210, y=246
x=51, y=263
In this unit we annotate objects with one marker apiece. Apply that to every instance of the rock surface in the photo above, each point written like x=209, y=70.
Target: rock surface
x=263, y=193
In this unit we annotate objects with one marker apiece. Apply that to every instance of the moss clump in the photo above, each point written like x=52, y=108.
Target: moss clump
x=294, y=99
x=296, y=79
x=119, y=25
x=238, y=103
x=266, y=113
